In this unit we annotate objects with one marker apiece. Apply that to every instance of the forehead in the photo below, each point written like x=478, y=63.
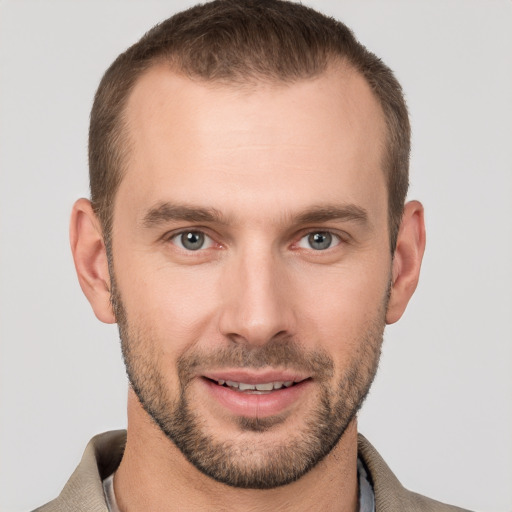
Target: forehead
x=186, y=135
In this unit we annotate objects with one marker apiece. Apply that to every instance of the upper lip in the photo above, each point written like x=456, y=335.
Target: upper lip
x=256, y=377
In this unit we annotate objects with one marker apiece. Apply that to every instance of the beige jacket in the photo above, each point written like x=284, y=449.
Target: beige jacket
x=84, y=490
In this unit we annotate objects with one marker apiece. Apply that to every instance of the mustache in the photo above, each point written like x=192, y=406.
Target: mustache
x=279, y=353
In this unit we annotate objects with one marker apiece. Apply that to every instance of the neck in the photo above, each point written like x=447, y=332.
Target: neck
x=154, y=475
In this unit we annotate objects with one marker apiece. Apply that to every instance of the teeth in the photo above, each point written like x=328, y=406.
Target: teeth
x=266, y=386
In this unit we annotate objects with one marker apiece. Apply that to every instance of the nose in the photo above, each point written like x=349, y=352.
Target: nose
x=257, y=298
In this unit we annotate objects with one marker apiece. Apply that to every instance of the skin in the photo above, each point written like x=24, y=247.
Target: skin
x=262, y=156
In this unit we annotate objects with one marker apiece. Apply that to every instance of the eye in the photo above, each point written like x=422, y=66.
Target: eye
x=192, y=240
x=319, y=240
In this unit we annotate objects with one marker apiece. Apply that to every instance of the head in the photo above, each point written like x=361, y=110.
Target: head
x=247, y=231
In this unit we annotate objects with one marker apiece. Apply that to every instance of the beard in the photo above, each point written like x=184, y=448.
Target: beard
x=255, y=462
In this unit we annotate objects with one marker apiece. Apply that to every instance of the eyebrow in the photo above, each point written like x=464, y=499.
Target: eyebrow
x=346, y=212
x=168, y=212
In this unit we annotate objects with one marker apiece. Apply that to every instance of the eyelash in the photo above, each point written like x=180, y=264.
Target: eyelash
x=332, y=238
x=177, y=236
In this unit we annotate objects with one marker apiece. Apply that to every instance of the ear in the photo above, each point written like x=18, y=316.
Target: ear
x=407, y=259
x=90, y=257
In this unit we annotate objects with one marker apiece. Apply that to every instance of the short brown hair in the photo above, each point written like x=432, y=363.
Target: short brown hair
x=239, y=41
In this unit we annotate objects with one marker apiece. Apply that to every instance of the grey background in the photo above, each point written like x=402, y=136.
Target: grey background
x=440, y=411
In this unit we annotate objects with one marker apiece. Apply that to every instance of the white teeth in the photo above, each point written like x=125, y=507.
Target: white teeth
x=266, y=386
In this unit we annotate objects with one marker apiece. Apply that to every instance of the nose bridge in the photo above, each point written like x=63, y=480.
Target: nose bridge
x=257, y=306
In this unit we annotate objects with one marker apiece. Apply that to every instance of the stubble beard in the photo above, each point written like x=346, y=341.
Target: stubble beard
x=260, y=464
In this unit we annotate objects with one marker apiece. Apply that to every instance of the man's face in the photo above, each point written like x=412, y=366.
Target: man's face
x=252, y=267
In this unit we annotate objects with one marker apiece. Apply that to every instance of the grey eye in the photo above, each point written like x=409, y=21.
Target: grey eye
x=319, y=240
x=192, y=240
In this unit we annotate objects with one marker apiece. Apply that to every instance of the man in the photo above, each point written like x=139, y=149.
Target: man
x=247, y=232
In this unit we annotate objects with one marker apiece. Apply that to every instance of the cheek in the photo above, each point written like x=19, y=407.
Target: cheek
x=343, y=307
x=175, y=305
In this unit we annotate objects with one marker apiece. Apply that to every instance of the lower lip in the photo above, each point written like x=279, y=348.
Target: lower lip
x=252, y=405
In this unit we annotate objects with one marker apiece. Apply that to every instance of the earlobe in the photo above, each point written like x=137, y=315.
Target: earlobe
x=407, y=260
x=90, y=257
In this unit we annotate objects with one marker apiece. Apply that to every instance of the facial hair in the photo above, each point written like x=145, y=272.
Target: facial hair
x=260, y=464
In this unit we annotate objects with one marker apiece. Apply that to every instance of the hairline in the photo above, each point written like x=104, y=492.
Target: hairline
x=251, y=81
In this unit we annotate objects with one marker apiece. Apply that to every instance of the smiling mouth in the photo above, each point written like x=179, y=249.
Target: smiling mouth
x=255, y=389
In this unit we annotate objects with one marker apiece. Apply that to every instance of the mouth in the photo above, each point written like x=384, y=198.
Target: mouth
x=254, y=394
x=261, y=388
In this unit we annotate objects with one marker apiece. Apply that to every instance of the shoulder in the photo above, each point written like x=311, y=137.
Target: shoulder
x=390, y=495
x=84, y=489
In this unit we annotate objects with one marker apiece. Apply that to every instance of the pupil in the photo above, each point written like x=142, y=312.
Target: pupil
x=320, y=241
x=192, y=240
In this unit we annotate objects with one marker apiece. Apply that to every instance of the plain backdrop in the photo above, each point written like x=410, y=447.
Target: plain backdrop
x=440, y=411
